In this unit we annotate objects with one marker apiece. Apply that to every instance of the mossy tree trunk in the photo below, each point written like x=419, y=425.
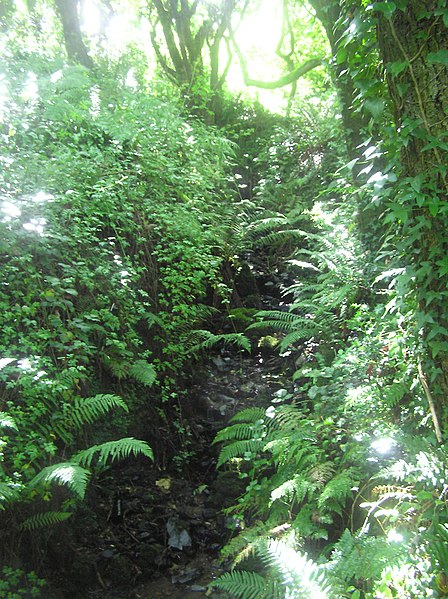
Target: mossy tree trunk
x=413, y=42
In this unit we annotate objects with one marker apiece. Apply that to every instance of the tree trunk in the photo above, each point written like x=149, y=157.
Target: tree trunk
x=76, y=49
x=330, y=13
x=413, y=48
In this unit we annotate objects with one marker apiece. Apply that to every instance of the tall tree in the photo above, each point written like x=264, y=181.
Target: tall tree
x=68, y=11
x=336, y=20
x=188, y=29
x=412, y=37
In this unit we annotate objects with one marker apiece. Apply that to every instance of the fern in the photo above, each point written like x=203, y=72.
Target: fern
x=297, y=488
x=70, y=377
x=337, y=492
x=238, y=449
x=6, y=421
x=290, y=574
x=67, y=474
x=240, y=432
x=210, y=340
x=296, y=327
x=297, y=336
x=7, y=493
x=143, y=372
x=302, y=578
x=89, y=409
x=283, y=321
x=248, y=585
x=44, y=520
x=249, y=415
x=393, y=394
x=361, y=557
x=243, y=545
x=113, y=450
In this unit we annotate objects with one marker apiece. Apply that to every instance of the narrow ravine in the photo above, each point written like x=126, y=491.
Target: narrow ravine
x=171, y=526
x=153, y=531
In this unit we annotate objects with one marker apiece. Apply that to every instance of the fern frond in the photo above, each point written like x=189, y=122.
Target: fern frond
x=276, y=319
x=280, y=237
x=321, y=473
x=298, y=488
x=299, y=334
x=249, y=415
x=336, y=492
x=288, y=417
x=248, y=585
x=44, y=520
x=67, y=474
x=6, y=421
x=69, y=377
x=392, y=394
x=87, y=410
x=7, y=493
x=238, y=449
x=113, y=450
x=243, y=545
x=301, y=576
x=240, y=432
x=143, y=372
x=210, y=340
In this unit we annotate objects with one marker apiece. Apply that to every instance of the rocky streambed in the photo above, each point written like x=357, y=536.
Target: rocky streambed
x=158, y=533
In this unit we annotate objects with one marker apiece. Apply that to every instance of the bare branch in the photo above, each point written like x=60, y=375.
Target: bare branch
x=287, y=79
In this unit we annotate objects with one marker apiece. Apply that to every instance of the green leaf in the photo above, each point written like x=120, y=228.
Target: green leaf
x=143, y=372
x=341, y=55
x=70, y=475
x=44, y=520
x=440, y=57
x=7, y=493
x=90, y=408
x=398, y=67
x=400, y=212
x=417, y=182
x=386, y=8
x=113, y=450
x=375, y=107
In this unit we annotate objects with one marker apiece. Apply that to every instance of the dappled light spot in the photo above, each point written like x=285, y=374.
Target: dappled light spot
x=35, y=225
x=30, y=90
x=42, y=196
x=383, y=445
x=10, y=211
x=91, y=18
x=393, y=536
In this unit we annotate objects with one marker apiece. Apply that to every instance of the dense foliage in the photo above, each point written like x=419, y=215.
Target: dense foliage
x=132, y=233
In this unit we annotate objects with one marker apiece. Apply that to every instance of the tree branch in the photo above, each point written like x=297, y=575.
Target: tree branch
x=162, y=60
x=165, y=21
x=290, y=77
x=432, y=405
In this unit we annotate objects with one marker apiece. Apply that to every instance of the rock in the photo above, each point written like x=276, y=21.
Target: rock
x=197, y=588
x=245, y=282
x=219, y=363
x=178, y=536
x=184, y=576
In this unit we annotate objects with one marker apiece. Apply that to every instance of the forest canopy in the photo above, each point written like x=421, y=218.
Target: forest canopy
x=205, y=195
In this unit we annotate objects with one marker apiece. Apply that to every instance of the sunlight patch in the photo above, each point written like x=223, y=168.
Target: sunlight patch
x=31, y=89
x=383, y=445
x=35, y=225
x=10, y=211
